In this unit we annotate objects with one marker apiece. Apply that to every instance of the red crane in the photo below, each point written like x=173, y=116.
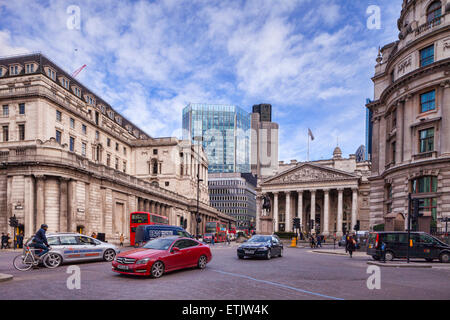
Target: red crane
x=76, y=72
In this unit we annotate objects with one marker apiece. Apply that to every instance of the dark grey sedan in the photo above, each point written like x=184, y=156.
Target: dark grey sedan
x=261, y=246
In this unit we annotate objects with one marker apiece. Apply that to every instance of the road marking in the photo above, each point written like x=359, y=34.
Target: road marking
x=276, y=284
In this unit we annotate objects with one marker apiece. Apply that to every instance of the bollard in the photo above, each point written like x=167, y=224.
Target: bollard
x=294, y=242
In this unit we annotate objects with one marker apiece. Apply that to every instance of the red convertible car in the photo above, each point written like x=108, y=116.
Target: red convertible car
x=163, y=255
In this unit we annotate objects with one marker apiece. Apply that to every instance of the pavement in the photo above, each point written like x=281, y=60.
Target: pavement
x=299, y=275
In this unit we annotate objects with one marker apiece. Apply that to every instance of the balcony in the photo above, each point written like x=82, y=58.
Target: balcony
x=429, y=25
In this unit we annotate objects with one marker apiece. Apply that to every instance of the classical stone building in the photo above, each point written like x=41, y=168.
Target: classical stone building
x=69, y=160
x=411, y=120
x=333, y=193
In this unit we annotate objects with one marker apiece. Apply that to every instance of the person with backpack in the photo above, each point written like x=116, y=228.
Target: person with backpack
x=383, y=252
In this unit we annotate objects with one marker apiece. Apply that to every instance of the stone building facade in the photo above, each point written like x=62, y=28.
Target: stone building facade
x=411, y=120
x=68, y=159
x=333, y=193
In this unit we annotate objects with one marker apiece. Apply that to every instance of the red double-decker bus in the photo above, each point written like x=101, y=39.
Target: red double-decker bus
x=218, y=229
x=144, y=218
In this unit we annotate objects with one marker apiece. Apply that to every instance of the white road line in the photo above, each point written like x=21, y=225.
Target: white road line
x=276, y=284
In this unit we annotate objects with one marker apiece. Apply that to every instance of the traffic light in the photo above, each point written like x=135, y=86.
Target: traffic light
x=296, y=222
x=13, y=222
x=416, y=207
x=199, y=220
x=356, y=227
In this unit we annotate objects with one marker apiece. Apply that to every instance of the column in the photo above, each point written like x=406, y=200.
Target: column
x=146, y=205
x=300, y=206
x=152, y=206
x=354, y=207
x=340, y=212
x=63, y=186
x=313, y=209
x=29, y=208
x=40, y=200
x=258, y=213
x=71, y=205
x=326, y=212
x=288, y=222
x=275, y=211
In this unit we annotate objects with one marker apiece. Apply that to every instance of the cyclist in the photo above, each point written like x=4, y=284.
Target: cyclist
x=40, y=241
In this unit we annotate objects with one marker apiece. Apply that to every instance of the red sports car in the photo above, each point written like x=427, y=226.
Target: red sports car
x=163, y=255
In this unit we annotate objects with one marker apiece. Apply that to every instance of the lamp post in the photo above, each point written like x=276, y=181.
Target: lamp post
x=199, y=139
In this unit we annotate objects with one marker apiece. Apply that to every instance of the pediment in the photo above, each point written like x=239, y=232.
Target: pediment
x=309, y=173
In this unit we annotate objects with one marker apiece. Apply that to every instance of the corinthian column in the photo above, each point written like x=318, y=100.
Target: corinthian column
x=40, y=201
x=258, y=213
x=275, y=211
x=287, y=222
x=354, y=207
x=326, y=212
x=340, y=212
x=313, y=209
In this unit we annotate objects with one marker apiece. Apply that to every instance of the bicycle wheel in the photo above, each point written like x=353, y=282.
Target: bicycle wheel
x=52, y=260
x=23, y=262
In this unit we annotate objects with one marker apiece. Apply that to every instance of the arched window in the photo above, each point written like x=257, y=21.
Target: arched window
x=434, y=11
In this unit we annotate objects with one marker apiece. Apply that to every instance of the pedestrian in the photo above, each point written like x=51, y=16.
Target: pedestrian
x=8, y=241
x=4, y=241
x=346, y=242
x=319, y=241
x=351, y=245
x=20, y=240
x=383, y=252
x=228, y=239
x=94, y=235
x=121, y=239
x=313, y=242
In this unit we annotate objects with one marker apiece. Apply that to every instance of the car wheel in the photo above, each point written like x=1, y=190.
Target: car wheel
x=268, y=255
x=53, y=260
x=202, y=261
x=281, y=253
x=376, y=258
x=157, y=269
x=109, y=255
x=389, y=255
x=444, y=257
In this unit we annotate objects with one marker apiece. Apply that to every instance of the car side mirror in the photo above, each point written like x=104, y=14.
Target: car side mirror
x=175, y=249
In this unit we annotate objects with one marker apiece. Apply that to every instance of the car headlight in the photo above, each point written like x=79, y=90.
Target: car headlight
x=143, y=261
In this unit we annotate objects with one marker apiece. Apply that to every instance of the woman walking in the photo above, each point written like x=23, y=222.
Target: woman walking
x=351, y=246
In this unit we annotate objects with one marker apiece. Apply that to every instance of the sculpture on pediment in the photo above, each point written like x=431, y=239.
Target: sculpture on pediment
x=308, y=174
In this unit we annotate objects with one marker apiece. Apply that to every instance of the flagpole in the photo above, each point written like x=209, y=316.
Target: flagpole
x=308, y=148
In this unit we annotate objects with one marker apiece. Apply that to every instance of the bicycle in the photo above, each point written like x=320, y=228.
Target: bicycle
x=28, y=259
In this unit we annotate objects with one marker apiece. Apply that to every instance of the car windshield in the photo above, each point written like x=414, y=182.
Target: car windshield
x=260, y=239
x=159, y=244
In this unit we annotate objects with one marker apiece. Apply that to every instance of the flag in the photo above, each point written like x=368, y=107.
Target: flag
x=310, y=134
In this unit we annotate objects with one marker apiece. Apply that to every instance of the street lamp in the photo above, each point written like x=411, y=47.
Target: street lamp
x=199, y=139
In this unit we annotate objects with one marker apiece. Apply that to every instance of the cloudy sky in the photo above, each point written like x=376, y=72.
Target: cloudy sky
x=311, y=59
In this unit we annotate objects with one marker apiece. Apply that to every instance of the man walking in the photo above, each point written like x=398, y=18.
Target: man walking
x=351, y=246
x=4, y=241
x=383, y=252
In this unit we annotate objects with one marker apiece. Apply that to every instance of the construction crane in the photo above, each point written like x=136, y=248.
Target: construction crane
x=76, y=72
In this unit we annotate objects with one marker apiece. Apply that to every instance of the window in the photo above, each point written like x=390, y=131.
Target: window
x=117, y=146
x=434, y=11
x=51, y=74
x=108, y=142
x=154, y=167
x=65, y=83
x=424, y=184
x=72, y=123
x=5, y=130
x=426, y=140
x=53, y=241
x=77, y=91
x=393, y=151
x=166, y=183
x=5, y=110
x=427, y=56
x=83, y=149
x=117, y=163
x=21, y=132
x=22, y=108
x=125, y=166
x=30, y=68
x=124, y=151
x=155, y=151
x=72, y=144
x=68, y=240
x=84, y=128
x=14, y=70
x=58, y=116
x=108, y=160
x=428, y=101
x=97, y=135
x=97, y=115
x=58, y=136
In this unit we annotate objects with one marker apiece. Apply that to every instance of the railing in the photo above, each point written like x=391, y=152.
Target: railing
x=430, y=24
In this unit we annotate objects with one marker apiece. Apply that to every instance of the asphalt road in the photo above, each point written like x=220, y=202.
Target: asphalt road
x=298, y=275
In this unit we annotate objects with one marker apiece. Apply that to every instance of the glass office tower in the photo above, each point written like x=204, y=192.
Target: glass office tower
x=226, y=135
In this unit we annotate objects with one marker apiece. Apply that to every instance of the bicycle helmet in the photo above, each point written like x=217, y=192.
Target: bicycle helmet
x=44, y=226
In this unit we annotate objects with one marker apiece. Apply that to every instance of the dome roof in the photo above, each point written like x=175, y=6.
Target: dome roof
x=337, y=153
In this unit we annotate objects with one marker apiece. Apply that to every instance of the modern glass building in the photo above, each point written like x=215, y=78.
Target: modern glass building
x=226, y=135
